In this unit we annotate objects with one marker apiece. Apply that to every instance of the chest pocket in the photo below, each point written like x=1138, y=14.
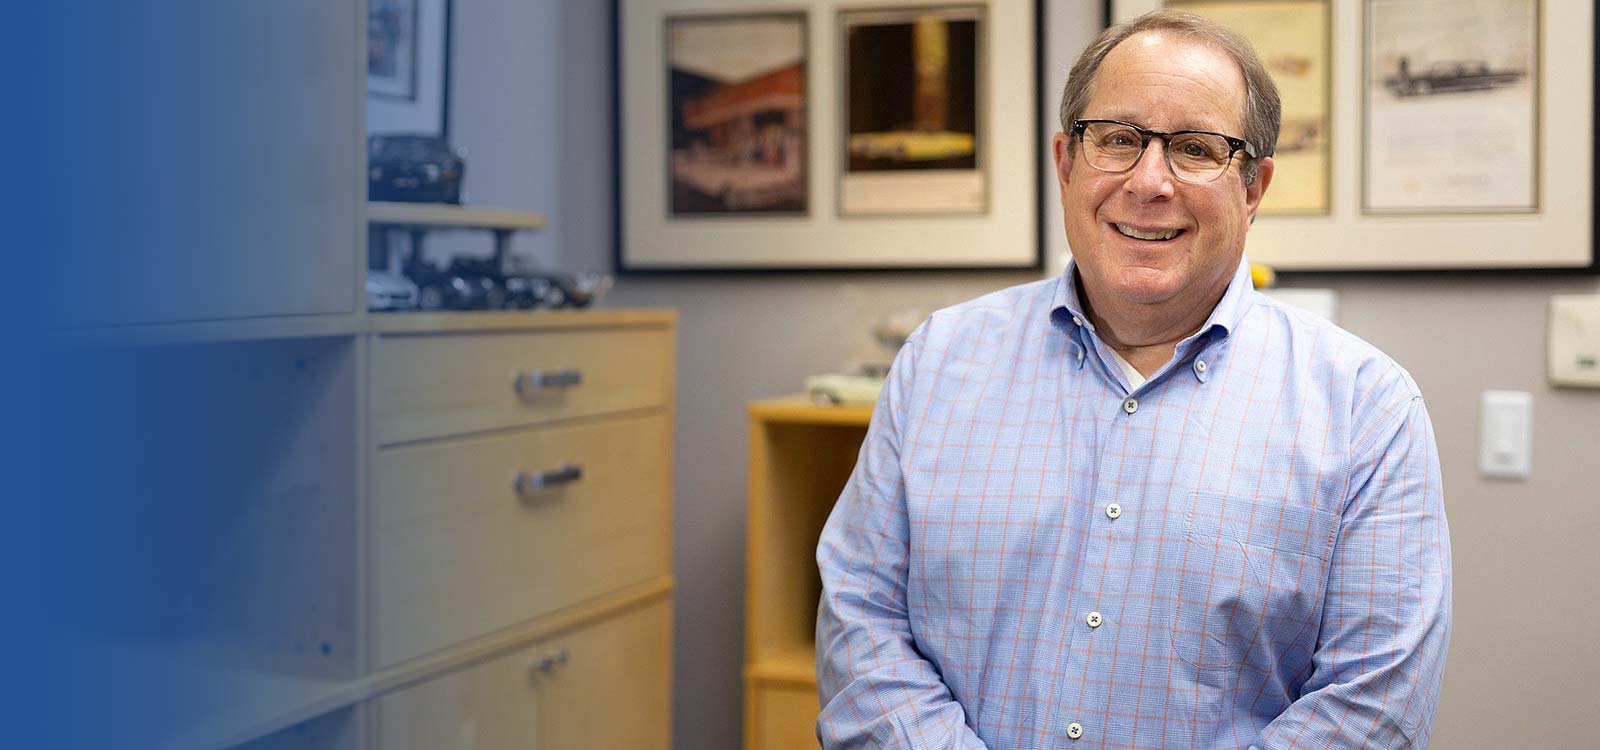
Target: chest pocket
x=1250, y=584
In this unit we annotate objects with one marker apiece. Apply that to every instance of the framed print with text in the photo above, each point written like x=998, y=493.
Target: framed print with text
x=1460, y=137
x=1469, y=69
x=775, y=135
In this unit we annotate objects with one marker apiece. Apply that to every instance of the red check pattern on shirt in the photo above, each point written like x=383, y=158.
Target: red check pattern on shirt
x=1247, y=551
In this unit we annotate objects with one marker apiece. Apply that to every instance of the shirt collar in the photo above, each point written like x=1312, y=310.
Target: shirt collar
x=1066, y=305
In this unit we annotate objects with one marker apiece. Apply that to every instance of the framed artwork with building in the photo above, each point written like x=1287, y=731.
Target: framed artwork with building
x=770, y=135
x=737, y=95
x=1461, y=137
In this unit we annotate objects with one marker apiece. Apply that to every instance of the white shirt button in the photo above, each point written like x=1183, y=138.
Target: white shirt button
x=1113, y=510
x=1077, y=321
x=1131, y=405
x=1094, y=619
x=1074, y=730
x=1078, y=352
x=1199, y=365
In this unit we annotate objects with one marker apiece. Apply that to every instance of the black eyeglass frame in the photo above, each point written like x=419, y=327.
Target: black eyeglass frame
x=1235, y=145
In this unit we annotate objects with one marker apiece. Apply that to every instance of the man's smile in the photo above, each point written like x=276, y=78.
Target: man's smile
x=1128, y=230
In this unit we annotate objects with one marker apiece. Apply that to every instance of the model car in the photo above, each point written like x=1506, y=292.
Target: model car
x=529, y=292
x=837, y=388
x=453, y=288
x=578, y=289
x=390, y=291
x=1453, y=75
x=413, y=169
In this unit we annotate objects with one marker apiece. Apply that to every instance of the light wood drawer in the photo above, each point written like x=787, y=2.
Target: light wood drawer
x=607, y=685
x=457, y=552
x=452, y=384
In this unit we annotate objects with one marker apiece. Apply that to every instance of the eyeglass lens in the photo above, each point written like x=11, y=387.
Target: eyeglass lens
x=1196, y=157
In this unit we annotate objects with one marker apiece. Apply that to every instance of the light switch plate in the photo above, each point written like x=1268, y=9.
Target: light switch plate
x=1574, y=340
x=1505, y=434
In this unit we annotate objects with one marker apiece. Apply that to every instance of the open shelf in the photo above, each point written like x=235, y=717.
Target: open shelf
x=444, y=216
x=801, y=455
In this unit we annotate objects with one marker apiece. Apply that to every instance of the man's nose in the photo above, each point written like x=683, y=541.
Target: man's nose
x=1150, y=176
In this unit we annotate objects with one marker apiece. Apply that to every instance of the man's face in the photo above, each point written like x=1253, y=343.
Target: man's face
x=1159, y=82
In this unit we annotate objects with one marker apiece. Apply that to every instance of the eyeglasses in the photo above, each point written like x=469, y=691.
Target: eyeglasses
x=1194, y=155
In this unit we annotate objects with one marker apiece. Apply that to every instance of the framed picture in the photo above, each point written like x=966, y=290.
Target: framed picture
x=407, y=66
x=1397, y=200
x=737, y=121
x=753, y=135
x=1470, y=68
x=1291, y=36
x=912, y=87
x=392, y=49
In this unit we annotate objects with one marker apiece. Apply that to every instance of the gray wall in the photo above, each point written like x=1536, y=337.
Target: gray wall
x=532, y=103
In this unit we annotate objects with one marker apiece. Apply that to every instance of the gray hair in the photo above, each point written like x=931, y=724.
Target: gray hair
x=1263, y=112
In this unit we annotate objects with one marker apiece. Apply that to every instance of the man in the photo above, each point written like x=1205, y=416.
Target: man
x=1142, y=505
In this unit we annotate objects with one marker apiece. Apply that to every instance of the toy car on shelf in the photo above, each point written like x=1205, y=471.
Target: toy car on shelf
x=841, y=389
x=573, y=289
x=390, y=291
x=456, y=287
x=530, y=292
x=413, y=169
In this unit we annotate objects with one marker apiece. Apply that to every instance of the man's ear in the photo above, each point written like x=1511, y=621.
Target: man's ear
x=1061, y=151
x=1257, y=189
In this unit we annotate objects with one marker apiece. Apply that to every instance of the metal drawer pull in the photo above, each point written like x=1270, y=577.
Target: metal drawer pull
x=548, y=663
x=528, y=383
x=533, y=481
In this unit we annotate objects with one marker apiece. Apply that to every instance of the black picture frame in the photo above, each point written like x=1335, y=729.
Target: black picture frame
x=637, y=111
x=424, y=109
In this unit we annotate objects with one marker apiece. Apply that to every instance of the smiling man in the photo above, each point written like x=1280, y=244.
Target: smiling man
x=1141, y=505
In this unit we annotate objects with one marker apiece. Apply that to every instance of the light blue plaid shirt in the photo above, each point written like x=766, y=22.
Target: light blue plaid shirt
x=1249, y=550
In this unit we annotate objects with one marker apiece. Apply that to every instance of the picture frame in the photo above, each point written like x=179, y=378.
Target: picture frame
x=737, y=136
x=408, y=67
x=1473, y=72
x=1294, y=40
x=910, y=141
x=1557, y=237
x=653, y=233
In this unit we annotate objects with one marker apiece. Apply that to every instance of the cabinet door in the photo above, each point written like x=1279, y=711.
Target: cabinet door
x=206, y=162
x=613, y=688
x=491, y=706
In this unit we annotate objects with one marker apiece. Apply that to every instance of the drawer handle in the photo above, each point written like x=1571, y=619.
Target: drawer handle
x=532, y=481
x=549, y=662
x=529, y=383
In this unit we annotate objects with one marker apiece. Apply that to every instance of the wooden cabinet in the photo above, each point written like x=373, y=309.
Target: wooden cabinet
x=519, y=545
x=459, y=549
x=801, y=455
x=607, y=684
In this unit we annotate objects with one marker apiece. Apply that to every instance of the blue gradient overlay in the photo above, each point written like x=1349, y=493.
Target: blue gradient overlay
x=184, y=545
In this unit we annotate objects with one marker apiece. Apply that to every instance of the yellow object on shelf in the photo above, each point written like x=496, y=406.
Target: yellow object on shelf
x=1262, y=277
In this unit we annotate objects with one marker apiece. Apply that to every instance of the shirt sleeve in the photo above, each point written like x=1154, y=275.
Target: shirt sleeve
x=1385, y=624
x=876, y=689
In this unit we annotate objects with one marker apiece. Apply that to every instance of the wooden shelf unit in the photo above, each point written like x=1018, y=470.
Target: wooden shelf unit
x=801, y=455
x=446, y=216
